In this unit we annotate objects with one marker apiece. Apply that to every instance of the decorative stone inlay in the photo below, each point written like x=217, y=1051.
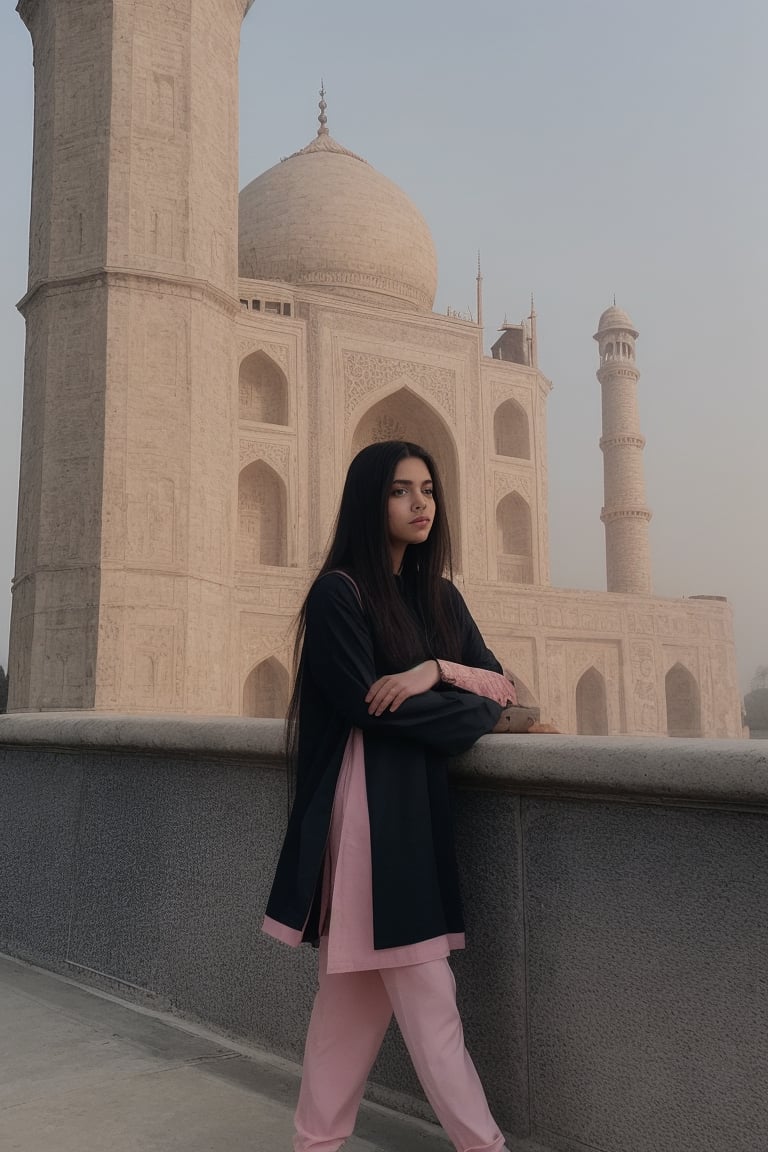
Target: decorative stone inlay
x=502, y=390
x=609, y=514
x=640, y=622
x=584, y=656
x=373, y=282
x=256, y=645
x=276, y=455
x=613, y=369
x=365, y=375
x=387, y=428
x=280, y=353
x=505, y=482
x=644, y=699
x=621, y=441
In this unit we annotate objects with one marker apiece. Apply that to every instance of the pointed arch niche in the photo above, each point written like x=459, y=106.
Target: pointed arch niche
x=261, y=517
x=514, y=540
x=511, y=433
x=263, y=390
x=683, y=702
x=405, y=416
x=591, y=705
x=265, y=692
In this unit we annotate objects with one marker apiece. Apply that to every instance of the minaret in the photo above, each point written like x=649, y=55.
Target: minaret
x=124, y=577
x=625, y=515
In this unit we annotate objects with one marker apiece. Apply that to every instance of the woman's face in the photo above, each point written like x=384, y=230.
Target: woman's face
x=411, y=507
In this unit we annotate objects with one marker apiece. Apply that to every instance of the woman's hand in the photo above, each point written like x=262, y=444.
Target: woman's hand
x=389, y=692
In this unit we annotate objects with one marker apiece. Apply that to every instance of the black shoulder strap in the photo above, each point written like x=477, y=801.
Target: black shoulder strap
x=346, y=575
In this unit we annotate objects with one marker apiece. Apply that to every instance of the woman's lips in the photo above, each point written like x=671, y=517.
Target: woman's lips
x=421, y=520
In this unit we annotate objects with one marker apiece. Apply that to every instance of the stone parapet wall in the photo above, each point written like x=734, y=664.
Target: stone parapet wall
x=612, y=989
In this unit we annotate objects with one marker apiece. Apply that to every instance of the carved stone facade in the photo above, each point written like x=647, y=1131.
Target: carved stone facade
x=186, y=433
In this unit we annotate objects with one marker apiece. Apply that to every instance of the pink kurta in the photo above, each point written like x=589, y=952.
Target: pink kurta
x=347, y=910
x=346, y=915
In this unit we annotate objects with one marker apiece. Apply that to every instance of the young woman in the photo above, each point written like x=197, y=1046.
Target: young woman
x=392, y=677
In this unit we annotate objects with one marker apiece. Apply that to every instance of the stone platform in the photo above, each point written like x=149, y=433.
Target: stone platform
x=81, y=1071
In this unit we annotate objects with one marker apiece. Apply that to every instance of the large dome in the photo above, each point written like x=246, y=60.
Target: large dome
x=324, y=218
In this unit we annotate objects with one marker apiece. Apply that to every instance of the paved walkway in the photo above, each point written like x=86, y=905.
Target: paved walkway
x=81, y=1071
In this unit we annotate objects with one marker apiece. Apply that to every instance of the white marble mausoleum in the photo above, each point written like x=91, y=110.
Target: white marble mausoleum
x=199, y=375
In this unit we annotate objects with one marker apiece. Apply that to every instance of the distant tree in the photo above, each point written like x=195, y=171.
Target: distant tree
x=760, y=678
x=3, y=689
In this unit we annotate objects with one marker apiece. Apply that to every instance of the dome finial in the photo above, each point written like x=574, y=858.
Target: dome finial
x=323, y=129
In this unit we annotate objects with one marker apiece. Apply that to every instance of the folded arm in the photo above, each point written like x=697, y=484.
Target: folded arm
x=339, y=657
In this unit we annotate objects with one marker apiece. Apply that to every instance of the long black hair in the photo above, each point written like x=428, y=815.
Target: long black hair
x=360, y=546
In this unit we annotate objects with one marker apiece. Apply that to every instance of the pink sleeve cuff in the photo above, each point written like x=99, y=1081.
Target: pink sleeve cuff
x=282, y=932
x=480, y=681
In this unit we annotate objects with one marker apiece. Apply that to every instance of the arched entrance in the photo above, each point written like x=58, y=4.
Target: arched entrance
x=261, y=517
x=263, y=390
x=514, y=540
x=511, y=436
x=591, y=705
x=405, y=416
x=683, y=702
x=265, y=692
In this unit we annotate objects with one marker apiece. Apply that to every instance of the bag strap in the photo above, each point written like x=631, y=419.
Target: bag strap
x=348, y=578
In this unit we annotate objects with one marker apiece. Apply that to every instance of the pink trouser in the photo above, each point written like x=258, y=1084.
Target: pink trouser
x=351, y=1013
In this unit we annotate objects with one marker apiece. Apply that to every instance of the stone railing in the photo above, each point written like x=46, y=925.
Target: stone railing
x=614, y=989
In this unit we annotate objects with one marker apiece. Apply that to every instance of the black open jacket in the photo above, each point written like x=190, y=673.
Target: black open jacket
x=415, y=879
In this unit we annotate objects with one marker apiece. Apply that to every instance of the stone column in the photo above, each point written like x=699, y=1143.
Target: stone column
x=625, y=515
x=128, y=481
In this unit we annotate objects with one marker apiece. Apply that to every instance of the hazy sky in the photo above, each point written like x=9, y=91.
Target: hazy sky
x=587, y=148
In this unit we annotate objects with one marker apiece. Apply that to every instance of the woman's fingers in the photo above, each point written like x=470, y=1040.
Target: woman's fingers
x=381, y=696
x=376, y=705
x=383, y=704
x=388, y=692
x=403, y=694
x=391, y=691
x=376, y=690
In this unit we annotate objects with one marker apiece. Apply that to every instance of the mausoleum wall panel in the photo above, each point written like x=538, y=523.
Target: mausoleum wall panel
x=154, y=660
x=72, y=115
x=173, y=135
